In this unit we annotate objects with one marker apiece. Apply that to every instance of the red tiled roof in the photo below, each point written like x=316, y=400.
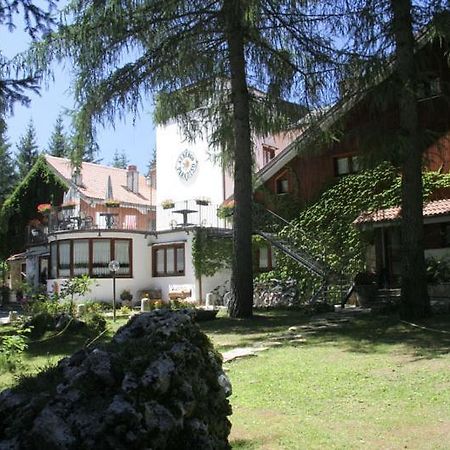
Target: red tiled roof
x=95, y=181
x=430, y=209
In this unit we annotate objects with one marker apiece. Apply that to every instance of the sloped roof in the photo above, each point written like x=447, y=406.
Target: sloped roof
x=324, y=118
x=430, y=209
x=95, y=181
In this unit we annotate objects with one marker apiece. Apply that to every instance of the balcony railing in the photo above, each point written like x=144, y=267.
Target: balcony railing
x=189, y=213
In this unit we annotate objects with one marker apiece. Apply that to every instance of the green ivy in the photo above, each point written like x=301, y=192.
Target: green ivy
x=213, y=253
x=210, y=253
x=39, y=186
x=330, y=220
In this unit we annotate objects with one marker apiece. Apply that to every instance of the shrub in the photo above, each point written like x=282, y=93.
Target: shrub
x=95, y=322
x=11, y=349
x=438, y=270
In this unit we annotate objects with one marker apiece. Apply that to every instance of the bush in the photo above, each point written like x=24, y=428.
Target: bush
x=438, y=270
x=95, y=322
x=41, y=322
x=11, y=349
x=5, y=293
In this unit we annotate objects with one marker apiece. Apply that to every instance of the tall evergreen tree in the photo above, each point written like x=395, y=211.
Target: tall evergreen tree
x=17, y=78
x=386, y=37
x=120, y=160
x=59, y=143
x=27, y=151
x=198, y=55
x=7, y=171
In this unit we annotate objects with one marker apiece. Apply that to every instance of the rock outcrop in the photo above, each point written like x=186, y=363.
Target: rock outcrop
x=158, y=385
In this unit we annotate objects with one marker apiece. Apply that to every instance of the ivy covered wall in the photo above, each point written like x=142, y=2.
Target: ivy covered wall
x=40, y=185
x=330, y=220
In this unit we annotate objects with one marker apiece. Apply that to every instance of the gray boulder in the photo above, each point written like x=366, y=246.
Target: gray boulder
x=158, y=385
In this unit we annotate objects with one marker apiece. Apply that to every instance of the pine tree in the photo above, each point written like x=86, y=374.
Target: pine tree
x=7, y=172
x=17, y=77
x=394, y=31
x=27, y=151
x=199, y=55
x=59, y=143
x=120, y=160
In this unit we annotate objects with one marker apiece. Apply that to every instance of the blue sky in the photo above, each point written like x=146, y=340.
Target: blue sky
x=137, y=140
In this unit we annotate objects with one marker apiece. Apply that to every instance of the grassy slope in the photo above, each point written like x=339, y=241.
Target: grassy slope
x=375, y=383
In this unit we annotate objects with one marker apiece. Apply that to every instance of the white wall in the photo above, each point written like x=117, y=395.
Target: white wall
x=102, y=288
x=163, y=283
x=207, y=181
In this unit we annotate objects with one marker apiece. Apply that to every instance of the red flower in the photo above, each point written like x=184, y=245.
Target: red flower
x=44, y=207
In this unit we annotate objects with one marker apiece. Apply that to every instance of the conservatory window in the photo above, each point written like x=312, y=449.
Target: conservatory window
x=64, y=259
x=80, y=257
x=101, y=256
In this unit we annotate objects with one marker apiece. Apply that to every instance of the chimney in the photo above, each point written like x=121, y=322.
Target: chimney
x=133, y=179
x=76, y=177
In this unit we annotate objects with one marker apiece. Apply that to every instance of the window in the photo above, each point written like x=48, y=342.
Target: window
x=346, y=165
x=265, y=259
x=168, y=260
x=101, y=256
x=429, y=88
x=75, y=257
x=268, y=153
x=80, y=257
x=64, y=259
x=282, y=184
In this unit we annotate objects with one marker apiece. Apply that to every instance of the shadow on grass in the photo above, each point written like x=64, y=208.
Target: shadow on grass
x=243, y=444
x=364, y=333
x=371, y=334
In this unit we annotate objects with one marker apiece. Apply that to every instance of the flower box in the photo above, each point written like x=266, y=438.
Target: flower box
x=112, y=203
x=44, y=208
x=202, y=201
x=167, y=204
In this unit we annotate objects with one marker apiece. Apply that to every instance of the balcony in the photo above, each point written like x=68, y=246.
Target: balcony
x=191, y=213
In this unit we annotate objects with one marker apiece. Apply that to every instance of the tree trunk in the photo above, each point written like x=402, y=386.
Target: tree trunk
x=241, y=303
x=415, y=302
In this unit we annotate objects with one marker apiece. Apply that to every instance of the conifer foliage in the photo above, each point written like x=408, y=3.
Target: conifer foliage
x=202, y=56
x=27, y=151
x=59, y=144
x=8, y=175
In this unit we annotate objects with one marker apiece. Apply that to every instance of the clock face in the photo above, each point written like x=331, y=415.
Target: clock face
x=186, y=164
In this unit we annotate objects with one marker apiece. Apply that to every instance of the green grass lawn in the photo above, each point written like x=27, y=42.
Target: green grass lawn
x=373, y=383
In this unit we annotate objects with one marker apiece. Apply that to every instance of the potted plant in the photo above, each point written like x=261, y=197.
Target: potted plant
x=225, y=210
x=202, y=201
x=365, y=288
x=126, y=297
x=167, y=204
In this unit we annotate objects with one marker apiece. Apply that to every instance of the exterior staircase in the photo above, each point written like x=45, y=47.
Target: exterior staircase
x=275, y=230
